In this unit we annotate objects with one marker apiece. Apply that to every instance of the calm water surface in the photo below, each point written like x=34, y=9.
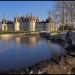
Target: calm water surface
x=20, y=51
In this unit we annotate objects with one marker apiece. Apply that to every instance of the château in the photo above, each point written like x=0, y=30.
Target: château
x=28, y=23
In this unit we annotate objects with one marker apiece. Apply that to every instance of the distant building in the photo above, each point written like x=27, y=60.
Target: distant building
x=28, y=23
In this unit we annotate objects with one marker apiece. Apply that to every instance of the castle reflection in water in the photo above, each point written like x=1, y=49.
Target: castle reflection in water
x=30, y=40
x=21, y=51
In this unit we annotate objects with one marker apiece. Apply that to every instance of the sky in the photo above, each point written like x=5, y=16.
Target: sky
x=9, y=9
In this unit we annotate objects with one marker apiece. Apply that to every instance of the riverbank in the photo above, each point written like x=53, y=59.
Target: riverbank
x=65, y=66
x=48, y=67
x=19, y=32
x=12, y=32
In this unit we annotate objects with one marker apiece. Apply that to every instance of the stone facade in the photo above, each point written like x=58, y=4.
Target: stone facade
x=7, y=25
x=28, y=23
x=17, y=24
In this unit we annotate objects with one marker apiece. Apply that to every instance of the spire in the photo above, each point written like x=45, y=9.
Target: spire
x=3, y=17
x=37, y=18
x=49, y=14
x=26, y=15
x=17, y=16
x=31, y=14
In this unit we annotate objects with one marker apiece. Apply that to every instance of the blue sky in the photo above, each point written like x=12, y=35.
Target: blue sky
x=13, y=8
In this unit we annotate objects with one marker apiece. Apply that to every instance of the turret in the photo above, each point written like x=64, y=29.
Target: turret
x=37, y=20
x=17, y=23
x=31, y=14
x=49, y=18
x=4, y=25
x=49, y=22
x=27, y=15
x=32, y=22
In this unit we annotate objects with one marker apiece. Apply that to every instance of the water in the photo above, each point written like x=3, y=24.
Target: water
x=20, y=51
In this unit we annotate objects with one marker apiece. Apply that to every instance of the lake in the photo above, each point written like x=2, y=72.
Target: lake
x=20, y=51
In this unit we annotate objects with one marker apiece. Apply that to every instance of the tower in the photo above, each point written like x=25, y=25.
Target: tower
x=27, y=15
x=32, y=23
x=31, y=14
x=49, y=22
x=49, y=14
x=37, y=20
x=17, y=24
x=3, y=25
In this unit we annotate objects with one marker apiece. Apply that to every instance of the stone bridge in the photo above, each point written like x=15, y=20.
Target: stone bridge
x=62, y=36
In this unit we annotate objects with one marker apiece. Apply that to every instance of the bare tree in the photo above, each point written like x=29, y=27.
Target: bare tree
x=66, y=13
